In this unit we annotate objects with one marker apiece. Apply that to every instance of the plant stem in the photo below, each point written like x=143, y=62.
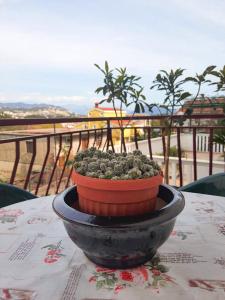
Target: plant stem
x=120, y=124
x=167, y=154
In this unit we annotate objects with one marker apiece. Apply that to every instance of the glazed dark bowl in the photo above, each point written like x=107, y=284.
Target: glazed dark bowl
x=119, y=242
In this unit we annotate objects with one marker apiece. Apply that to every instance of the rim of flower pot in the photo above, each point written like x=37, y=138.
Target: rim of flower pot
x=63, y=202
x=123, y=185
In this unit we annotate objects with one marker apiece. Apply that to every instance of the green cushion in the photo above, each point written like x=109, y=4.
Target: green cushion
x=210, y=185
x=10, y=194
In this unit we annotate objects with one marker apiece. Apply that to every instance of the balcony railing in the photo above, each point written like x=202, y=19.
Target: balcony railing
x=39, y=161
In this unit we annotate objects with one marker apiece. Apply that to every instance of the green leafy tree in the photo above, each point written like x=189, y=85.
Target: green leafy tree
x=220, y=82
x=219, y=136
x=172, y=84
x=122, y=89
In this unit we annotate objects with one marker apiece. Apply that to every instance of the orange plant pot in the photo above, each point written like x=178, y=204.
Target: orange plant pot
x=105, y=197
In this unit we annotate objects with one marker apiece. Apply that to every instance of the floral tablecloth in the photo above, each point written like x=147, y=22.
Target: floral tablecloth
x=39, y=261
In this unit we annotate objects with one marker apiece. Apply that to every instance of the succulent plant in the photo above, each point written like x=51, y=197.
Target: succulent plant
x=115, y=166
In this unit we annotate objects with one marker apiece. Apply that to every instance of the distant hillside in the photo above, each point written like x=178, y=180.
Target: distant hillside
x=154, y=112
x=158, y=111
x=24, y=110
x=26, y=106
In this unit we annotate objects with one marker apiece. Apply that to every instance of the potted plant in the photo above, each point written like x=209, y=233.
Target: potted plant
x=113, y=184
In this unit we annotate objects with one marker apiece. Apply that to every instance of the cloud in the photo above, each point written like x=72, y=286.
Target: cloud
x=73, y=103
x=209, y=11
x=8, y=2
x=2, y=2
x=56, y=47
x=68, y=44
x=22, y=47
x=40, y=98
x=136, y=51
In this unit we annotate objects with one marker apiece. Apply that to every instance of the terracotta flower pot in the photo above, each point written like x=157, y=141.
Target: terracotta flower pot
x=105, y=197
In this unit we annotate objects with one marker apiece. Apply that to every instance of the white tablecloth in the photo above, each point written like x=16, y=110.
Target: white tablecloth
x=39, y=261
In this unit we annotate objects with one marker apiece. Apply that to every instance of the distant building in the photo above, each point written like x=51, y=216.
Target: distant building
x=203, y=106
x=106, y=112
x=99, y=111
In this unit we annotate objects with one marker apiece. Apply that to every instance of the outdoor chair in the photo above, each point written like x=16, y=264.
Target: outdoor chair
x=210, y=185
x=10, y=194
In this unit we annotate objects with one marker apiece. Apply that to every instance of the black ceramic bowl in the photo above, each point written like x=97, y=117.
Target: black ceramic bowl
x=119, y=242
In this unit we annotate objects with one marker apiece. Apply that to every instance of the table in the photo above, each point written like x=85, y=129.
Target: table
x=39, y=261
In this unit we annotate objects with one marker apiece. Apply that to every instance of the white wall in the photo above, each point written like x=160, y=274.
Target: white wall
x=186, y=144
x=157, y=146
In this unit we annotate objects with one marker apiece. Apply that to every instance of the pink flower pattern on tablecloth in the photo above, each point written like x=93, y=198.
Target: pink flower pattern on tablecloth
x=54, y=253
x=10, y=215
x=16, y=294
x=151, y=275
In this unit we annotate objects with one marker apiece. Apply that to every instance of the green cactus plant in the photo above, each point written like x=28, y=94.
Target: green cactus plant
x=109, y=165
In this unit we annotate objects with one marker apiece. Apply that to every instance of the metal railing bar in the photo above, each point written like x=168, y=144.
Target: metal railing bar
x=101, y=137
x=108, y=134
x=95, y=137
x=31, y=163
x=123, y=141
x=210, y=151
x=105, y=145
x=164, y=142
x=44, y=164
x=149, y=142
x=88, y=137
x=109, y=137
x=179, y=156
x=65, y=163
x=54, y=167
x=3, y=141
x=17, y=158
x=38, y=121
x=135, y=138
x=194, y=154
x=71, y=170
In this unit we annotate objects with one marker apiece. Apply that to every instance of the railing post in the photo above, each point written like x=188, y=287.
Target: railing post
x=71, y=170
x=135, y=138
x=164, y=143
x=27, y=180
x=54, y=167
x=123, y=141
x=17, y=158
x=194, y=153
x=210, y=150
x=179, y=156
x=65, y=163
x=149, y=142
x=109, y=136
x=44, y=164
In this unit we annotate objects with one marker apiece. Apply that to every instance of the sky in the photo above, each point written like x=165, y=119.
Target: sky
x=48, y=48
